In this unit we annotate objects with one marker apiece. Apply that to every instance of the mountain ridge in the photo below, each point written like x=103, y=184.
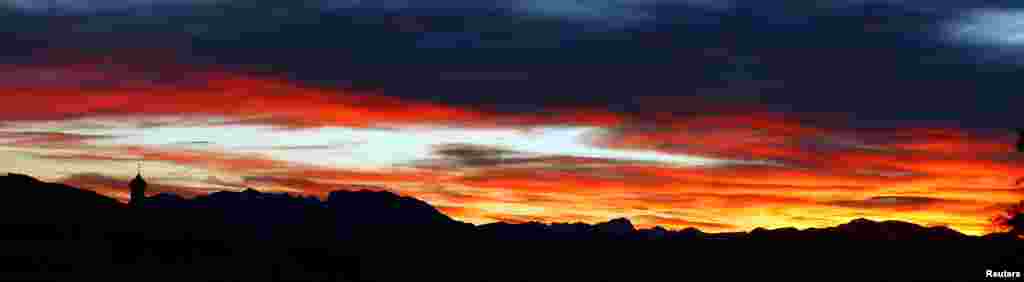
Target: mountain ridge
x=388, y=208
x=381, y=236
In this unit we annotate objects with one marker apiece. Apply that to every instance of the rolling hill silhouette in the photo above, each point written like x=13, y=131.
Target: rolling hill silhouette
x=58, y=232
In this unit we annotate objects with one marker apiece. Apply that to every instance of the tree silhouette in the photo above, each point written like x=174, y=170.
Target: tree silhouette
x=1012, y=219
x=1020, y=140
x=1020, y=149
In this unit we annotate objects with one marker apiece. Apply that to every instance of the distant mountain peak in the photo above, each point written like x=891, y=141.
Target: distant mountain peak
x=384, y=206
x=894, y=230
x=17, y=177
x=862, y=221
x=24, y=191
x=616, y=226
x=692, y=230
x=386, y=209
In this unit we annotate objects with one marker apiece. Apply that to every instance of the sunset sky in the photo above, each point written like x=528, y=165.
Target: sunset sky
x=719, y=115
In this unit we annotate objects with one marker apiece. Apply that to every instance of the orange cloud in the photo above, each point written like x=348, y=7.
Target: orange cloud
x=570, y=189
x=48, y=139
x=595, y=190
x=815, y=174
x=249, y=99
x=652, y=220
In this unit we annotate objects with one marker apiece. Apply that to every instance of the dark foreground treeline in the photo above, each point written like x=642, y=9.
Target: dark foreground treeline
x=52, y=232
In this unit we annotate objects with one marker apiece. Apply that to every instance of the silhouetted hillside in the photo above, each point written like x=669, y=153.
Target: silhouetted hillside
x=19, y=190
x=38, y=210
x=58, y=232
x=369, y=207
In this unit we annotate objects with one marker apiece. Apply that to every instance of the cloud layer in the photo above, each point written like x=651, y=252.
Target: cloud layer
x=874, y=59
x=773, y=170
x=723, y=115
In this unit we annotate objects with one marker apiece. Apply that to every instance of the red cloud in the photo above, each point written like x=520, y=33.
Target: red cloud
x=821, y=168
x=595, y=190
x=262, y=99
x=39, y=139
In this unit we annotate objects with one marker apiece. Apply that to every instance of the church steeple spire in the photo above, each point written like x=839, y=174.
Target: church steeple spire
x=138, y=188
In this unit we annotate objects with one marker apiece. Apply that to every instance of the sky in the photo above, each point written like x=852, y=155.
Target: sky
x=719, y=115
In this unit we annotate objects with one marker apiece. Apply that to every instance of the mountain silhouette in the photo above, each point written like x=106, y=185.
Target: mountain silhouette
x=862, y=229
x=376, y=207
x=17, y=188
x=56, y=232
x=37, y=210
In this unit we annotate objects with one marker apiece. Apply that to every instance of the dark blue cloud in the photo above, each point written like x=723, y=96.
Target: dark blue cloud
x=878, y=60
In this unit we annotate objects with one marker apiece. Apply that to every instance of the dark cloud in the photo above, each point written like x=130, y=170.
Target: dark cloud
x=892, y=202
x=499, y=162
x=307, y=185
x=96, y=5
x=484, y=76
x=476, y=155
x=881, y=60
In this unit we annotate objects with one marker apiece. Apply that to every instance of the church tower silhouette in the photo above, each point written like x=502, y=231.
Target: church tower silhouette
x=138, y=187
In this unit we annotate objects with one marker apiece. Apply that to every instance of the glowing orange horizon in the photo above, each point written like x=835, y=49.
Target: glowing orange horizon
x=929, y=176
